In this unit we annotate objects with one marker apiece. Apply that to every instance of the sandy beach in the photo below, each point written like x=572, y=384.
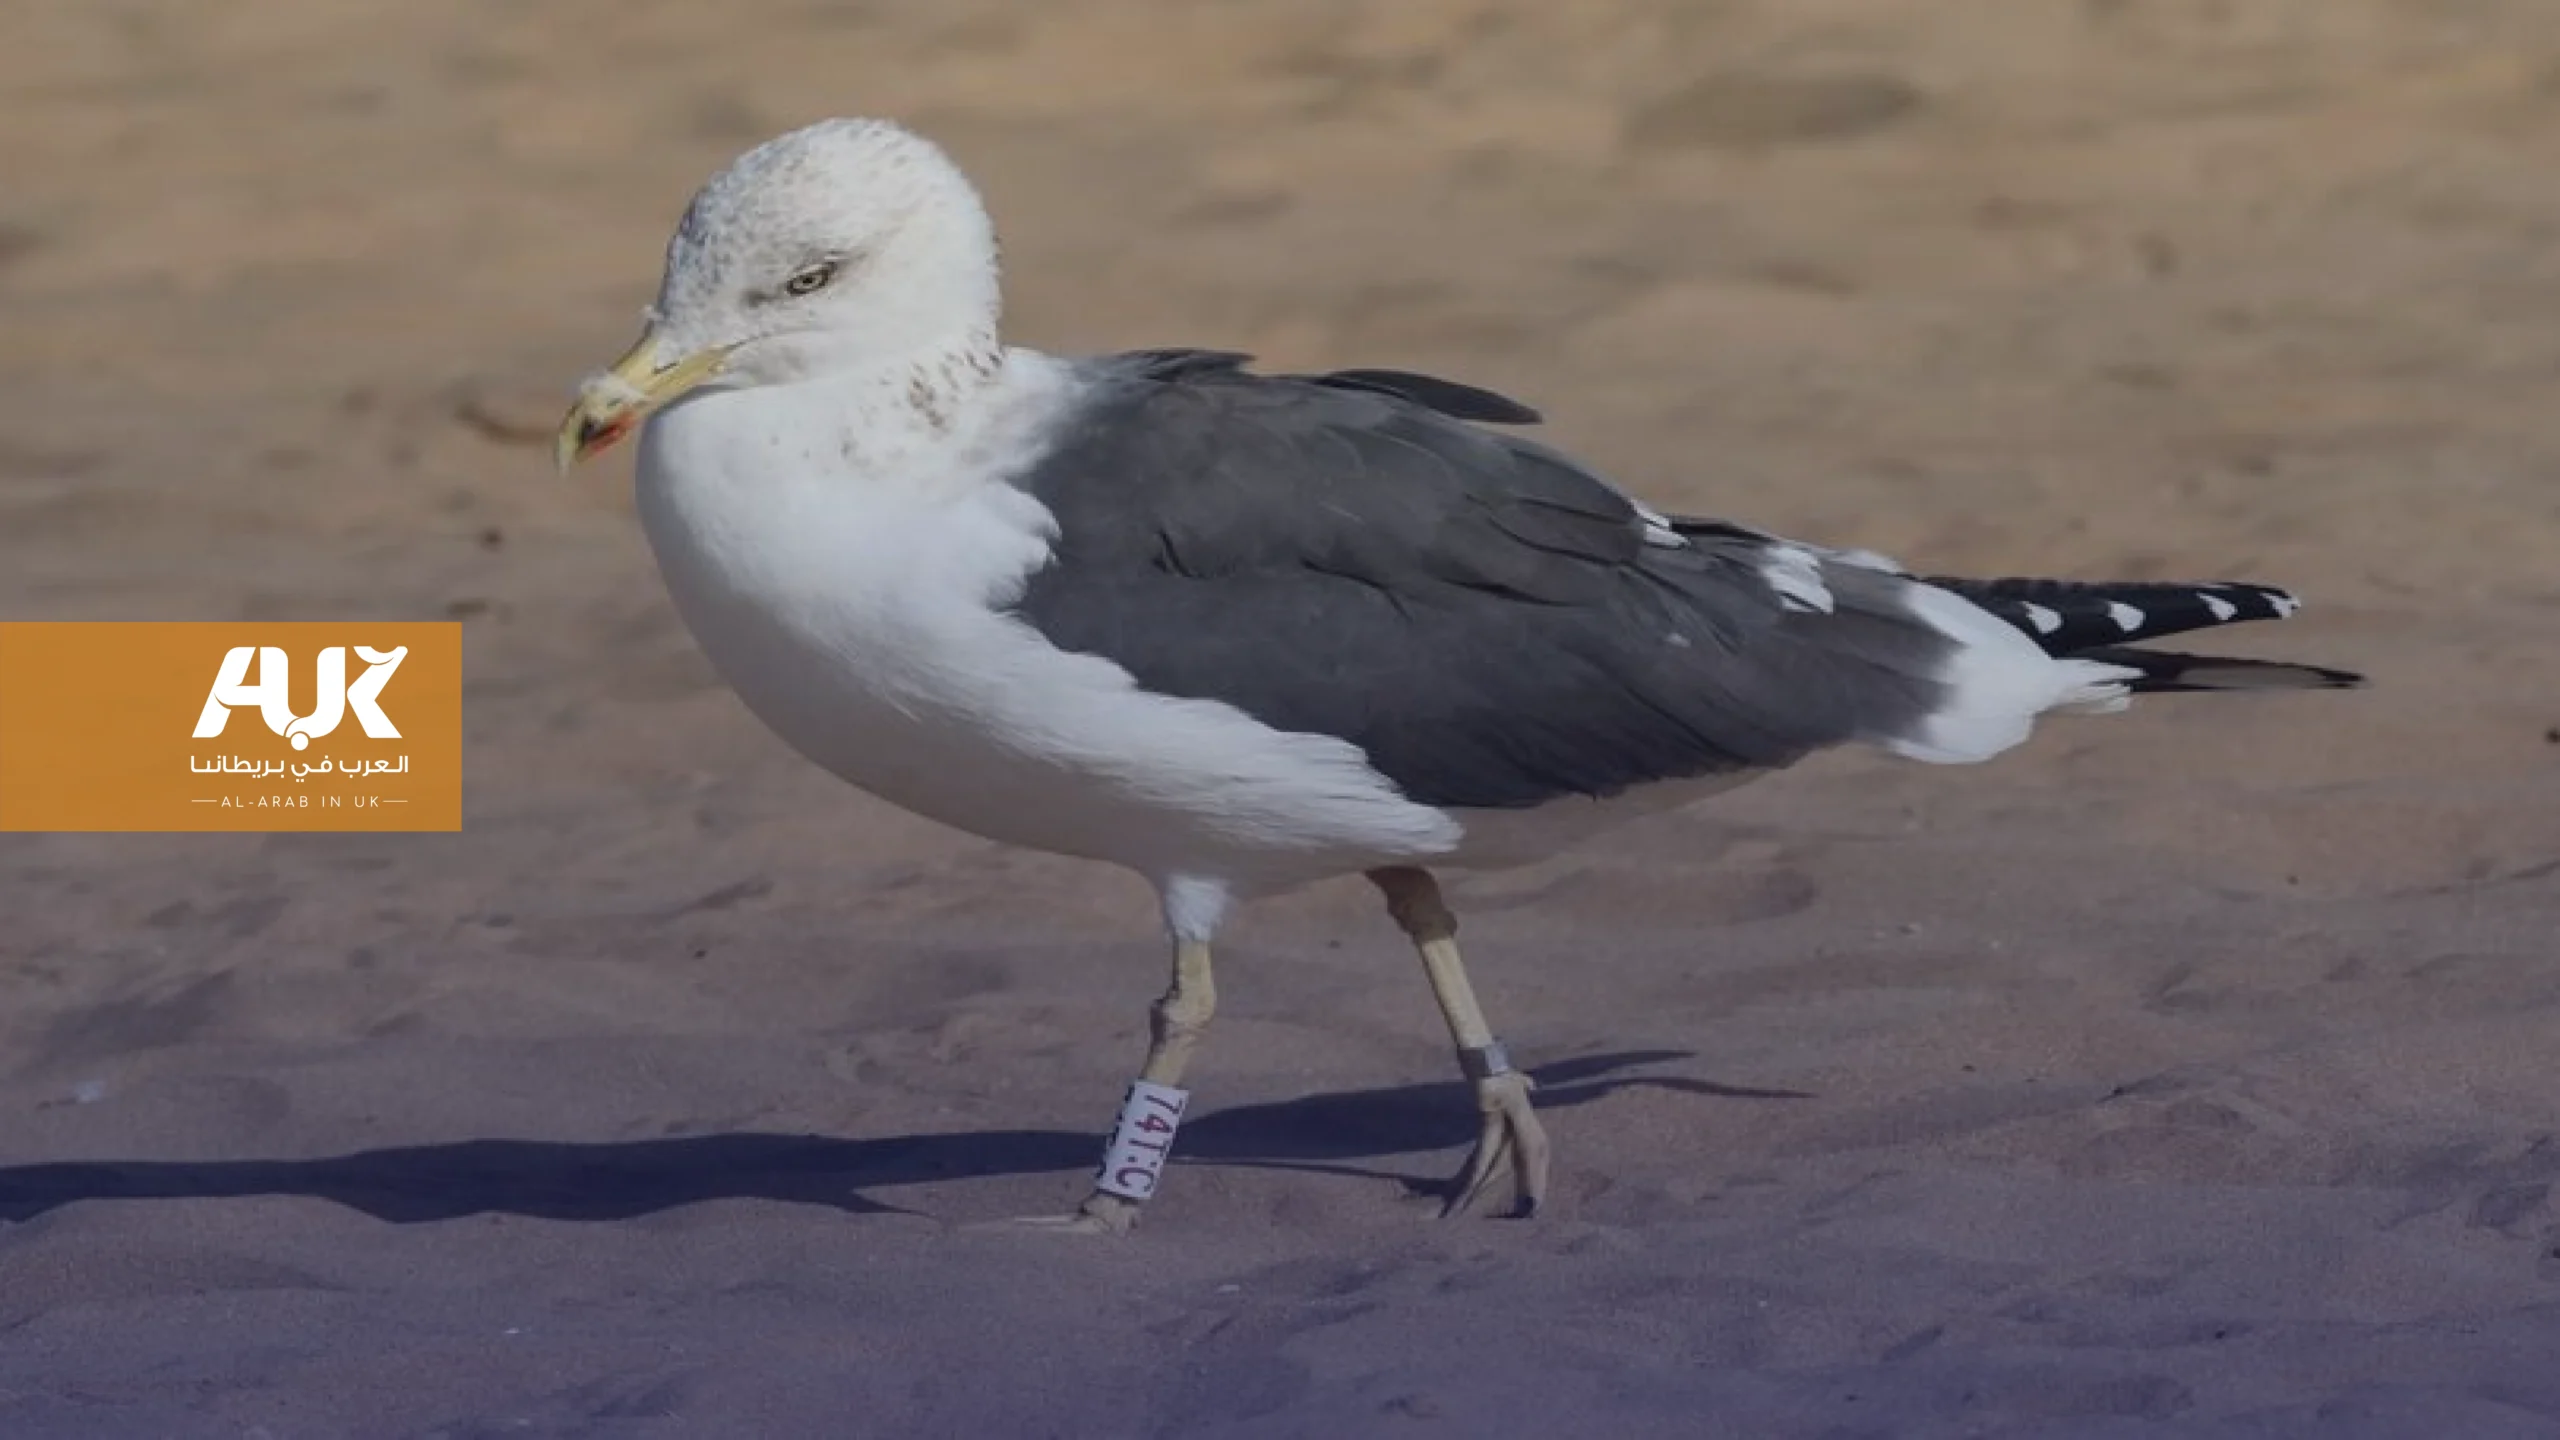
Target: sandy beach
x=2188, y=1072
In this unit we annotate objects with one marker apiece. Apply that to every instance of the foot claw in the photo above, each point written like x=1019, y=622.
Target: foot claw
x=1101, y=1214
x=1512, y=1132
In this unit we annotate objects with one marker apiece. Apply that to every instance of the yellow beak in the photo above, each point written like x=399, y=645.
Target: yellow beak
x=612, y=404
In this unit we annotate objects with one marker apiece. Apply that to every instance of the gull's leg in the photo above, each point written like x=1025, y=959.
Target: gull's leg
x=1135, y=1156
x=1511, y=1125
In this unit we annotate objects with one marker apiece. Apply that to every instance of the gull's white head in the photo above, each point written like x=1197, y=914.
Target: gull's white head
x=851, y=247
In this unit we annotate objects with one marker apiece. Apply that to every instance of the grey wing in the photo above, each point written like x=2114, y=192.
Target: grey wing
x=1492, y=624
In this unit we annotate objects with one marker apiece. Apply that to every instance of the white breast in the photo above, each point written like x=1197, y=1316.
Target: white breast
x=847, y=578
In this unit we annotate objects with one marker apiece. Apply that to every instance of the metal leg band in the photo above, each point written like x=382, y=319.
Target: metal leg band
x=1485, y=1061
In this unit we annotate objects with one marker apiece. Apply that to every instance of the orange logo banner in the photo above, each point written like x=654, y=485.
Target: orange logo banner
x=294, y=726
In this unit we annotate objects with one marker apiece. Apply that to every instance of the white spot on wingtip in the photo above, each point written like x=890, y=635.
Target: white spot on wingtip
x=2284, y=604
x=2222, y=609
x=1676, y=640
x=2127, y=618
x=2043, y=618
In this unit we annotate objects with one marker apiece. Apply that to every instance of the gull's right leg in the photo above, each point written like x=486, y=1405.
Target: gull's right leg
x=1511, y=1129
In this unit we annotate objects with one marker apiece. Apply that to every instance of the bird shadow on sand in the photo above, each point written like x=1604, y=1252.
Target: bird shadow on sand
x=559, y=1180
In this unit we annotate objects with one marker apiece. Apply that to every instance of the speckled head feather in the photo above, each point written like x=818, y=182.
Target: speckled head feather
x=846, y=245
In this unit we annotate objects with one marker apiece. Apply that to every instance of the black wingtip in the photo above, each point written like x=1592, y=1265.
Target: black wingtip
x=2068, y=617
x=2171, y=672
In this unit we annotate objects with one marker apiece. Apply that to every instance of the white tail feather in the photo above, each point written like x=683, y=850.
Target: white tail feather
x=1997, y=682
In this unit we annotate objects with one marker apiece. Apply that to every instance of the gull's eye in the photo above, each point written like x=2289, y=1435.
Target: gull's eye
x=810, y=279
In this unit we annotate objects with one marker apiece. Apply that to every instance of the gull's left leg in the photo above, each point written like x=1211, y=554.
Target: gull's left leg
x=1134, y=1159
x=1511, y=1127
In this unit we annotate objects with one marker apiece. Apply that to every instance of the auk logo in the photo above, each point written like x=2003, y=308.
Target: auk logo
x=231, y=725
x=272, y=698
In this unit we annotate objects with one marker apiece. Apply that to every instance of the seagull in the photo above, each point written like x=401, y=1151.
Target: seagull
x=1241, y=632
